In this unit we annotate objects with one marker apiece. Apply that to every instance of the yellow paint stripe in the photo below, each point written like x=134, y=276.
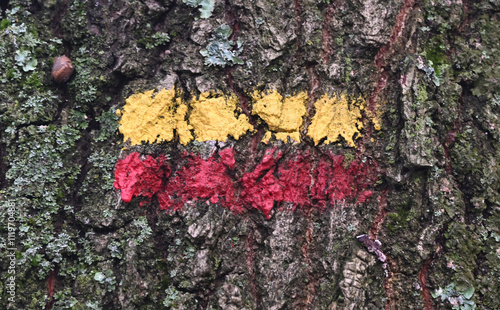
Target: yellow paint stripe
x=214, y=116
x=153, y=118
x=284, y=116
x=337, y=117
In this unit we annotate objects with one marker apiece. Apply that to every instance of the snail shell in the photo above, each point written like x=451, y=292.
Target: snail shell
x=62, y=69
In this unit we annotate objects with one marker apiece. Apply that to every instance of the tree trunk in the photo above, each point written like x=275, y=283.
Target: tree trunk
x=307, y=154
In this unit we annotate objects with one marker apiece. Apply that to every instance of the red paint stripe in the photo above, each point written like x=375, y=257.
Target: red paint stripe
x=273, y=180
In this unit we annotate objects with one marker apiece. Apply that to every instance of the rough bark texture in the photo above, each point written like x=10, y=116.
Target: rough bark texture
x=429, y=70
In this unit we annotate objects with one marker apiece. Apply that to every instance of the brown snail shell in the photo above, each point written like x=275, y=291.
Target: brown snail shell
x=62, y=69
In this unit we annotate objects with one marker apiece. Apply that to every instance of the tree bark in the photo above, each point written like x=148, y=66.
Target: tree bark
x=365, y=139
